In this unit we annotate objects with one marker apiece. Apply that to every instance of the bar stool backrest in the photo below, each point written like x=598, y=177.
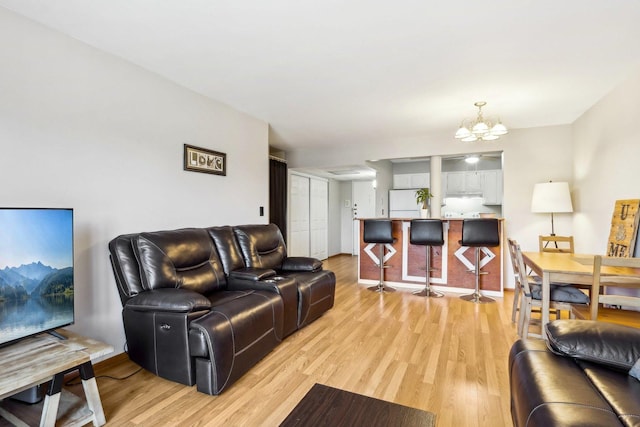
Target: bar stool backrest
x=428, y=232
x=377, y=231
x=480, y=232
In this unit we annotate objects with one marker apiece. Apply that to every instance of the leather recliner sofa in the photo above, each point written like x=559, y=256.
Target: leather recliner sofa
x=579, y=377
x=203, y=305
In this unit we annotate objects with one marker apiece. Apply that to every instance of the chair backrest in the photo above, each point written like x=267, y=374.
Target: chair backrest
x=428, y=232
x=184, y=258
x=628, y=276
x=519, y=269
x=480, y=232
x=377, y=231
x=262, y=245
x=562, y=244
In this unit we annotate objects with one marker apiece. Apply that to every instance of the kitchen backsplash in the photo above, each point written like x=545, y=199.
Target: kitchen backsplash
x=467, y=207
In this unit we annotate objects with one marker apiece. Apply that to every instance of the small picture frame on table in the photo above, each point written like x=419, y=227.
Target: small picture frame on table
x=197, y=159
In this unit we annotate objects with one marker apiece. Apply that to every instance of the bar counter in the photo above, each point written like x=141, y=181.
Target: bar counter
x=406, y=262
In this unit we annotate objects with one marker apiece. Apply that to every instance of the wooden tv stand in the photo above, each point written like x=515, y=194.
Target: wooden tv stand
x=43, y=358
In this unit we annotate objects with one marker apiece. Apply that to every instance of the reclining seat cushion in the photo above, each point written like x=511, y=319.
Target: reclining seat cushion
x=183, y=258
x=262, y=246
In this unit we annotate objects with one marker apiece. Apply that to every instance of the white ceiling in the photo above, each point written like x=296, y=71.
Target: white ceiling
x=330, y=72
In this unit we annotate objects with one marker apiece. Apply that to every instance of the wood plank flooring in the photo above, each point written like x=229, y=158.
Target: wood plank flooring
x=444, y=355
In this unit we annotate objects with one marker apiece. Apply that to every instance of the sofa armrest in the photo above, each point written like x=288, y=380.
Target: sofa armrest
x=612, y=345
x=169, y=300
x=252, y=274
x=301, y=264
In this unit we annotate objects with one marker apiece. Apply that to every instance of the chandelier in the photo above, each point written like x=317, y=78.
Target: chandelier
x=480, y=128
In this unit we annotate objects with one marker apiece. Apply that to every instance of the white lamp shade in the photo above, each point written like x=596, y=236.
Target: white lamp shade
x=551, y=197
x=463, y=132
x=499, y=129
x=489, y=136
x=480, y=128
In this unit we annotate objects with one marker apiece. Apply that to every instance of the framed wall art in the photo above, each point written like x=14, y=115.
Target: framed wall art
x=198, y=159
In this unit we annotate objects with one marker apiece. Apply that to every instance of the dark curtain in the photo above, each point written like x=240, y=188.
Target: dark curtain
x=278, y=195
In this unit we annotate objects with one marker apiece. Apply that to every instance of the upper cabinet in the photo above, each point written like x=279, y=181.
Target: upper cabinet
x=411, y=180
x=462, y=183
x=492, y=187
x=487, y=183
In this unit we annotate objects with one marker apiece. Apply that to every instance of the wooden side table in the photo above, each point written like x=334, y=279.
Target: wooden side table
x=43, y=358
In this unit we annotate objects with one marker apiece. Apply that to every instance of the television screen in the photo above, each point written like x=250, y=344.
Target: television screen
x=36, y=271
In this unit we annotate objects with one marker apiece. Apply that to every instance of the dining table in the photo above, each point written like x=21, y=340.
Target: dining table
x=566, y=268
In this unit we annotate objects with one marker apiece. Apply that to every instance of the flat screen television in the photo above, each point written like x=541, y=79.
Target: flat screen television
x=36, y=271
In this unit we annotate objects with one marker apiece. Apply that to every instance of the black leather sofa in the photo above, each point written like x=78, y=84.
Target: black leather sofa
x=579, y=377
x=204, y=305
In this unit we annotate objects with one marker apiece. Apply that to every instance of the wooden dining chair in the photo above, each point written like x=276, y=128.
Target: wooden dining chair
x=512, y=246
x=614, y=307
x=562, y=244
x=533, y=280
x=562, y=297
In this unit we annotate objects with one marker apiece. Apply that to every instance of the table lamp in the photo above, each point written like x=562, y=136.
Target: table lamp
x=551, y=197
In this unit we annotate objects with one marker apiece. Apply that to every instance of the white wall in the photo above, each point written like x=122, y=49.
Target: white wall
x=346, y=217
x=82, y=129
x=605, y=163
x=384, y=183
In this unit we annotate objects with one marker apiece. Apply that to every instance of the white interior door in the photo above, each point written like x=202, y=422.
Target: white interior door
x=318, y=216
x=298, y=243
x=364, y=206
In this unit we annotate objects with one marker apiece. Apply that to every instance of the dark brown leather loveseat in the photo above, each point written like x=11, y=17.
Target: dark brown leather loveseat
x=580, y=377
x=203, y=305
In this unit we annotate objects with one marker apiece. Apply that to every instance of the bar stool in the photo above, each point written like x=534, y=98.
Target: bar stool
x=379, y=231
x=428, y=233
x=479, y=233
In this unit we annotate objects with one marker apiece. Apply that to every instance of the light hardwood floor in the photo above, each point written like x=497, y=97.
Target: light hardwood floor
x=443, y=355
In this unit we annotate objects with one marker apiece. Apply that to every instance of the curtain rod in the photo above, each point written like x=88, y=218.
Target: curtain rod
x=278, y=159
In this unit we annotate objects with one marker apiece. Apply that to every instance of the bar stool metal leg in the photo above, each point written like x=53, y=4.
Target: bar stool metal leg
x=427, y=291
x=476, y=296
x=381, y=287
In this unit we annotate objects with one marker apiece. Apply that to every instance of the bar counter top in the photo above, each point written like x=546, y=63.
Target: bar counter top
x=451, y=262
x=444, y=219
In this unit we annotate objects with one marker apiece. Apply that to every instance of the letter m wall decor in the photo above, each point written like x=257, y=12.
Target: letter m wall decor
x=624, y=228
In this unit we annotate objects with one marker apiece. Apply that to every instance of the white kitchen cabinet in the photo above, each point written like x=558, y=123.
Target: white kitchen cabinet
x=411, y=180
x=420, y=180
x=401, y=181
x=488, y=183
x=473, y=181
x=454, y=183
x=463, y=183
x=492, y=187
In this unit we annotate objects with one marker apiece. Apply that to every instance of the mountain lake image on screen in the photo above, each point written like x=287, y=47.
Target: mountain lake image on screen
x=36, y=271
